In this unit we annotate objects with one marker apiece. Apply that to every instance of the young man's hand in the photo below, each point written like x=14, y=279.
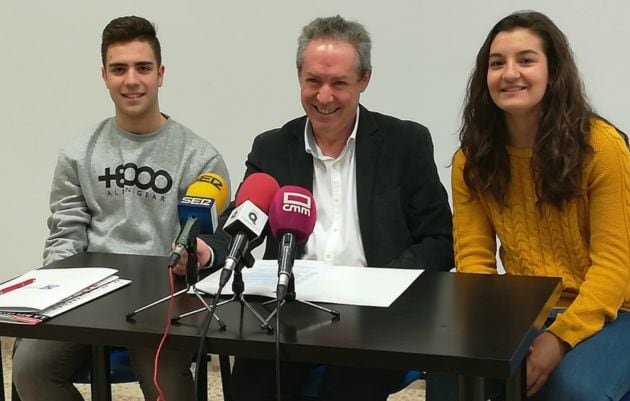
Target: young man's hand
x=204, y=253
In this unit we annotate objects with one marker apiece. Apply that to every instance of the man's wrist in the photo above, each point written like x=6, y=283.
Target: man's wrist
x=210, y=260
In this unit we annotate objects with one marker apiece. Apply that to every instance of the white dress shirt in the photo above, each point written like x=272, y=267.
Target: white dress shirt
x=336, y=238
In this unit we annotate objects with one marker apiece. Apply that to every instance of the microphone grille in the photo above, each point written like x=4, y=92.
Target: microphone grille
x=293, y=210
x=211, y=185
x=258, y=188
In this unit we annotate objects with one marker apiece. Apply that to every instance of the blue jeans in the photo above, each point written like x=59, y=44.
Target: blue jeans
x=597, y=369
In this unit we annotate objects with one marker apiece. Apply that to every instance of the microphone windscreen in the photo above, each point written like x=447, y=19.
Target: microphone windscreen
x=292, y=210
x=211, y=185
x=205, y=199
x=258, y=188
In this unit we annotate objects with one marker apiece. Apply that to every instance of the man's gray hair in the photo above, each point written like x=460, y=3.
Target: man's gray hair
x=337, y=28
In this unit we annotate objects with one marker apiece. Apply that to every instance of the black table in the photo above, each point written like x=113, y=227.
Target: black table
x=472, y=325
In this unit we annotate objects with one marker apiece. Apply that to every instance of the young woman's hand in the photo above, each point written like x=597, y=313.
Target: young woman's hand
x=545, y=353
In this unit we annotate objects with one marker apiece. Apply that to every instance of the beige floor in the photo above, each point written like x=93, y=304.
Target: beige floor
x=131, y=391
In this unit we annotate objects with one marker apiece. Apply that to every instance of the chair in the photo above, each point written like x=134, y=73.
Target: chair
x=120, y=371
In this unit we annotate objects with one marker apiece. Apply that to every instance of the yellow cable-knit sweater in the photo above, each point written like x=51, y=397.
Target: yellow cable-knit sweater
x=587, y=243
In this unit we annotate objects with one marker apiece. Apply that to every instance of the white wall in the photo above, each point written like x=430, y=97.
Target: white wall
x=230, y=74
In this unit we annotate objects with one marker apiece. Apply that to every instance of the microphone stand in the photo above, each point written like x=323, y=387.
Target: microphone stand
x=192, y=276
x=291, y=297
x=238, y=288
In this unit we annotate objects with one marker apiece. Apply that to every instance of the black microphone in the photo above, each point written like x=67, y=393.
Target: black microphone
x=286, y=257
x=247, y=221
x=292, y=217
x=187, y=238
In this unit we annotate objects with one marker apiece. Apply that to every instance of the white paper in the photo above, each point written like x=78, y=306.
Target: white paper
x=50, y=287
x=94, y=291
x=320, y=282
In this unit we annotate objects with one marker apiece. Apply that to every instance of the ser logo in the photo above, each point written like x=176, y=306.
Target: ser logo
x=211, y=179
x=296, y=203
x=193, y=200
x=143, y=177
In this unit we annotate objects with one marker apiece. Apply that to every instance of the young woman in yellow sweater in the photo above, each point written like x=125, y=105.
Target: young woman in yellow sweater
x=542, y=172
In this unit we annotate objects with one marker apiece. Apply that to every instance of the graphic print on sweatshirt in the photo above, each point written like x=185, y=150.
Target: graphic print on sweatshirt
x=131, y=179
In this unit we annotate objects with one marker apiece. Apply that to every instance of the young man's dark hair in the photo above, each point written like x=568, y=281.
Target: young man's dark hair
x=127, y=29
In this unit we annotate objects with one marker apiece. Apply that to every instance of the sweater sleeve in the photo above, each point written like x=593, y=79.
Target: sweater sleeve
x=69, y=213
x=473, y=234
x=605, y=285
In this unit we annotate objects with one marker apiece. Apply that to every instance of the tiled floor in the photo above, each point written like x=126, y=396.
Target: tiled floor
x=131, y=391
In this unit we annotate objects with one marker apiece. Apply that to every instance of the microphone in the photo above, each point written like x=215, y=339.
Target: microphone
x=205, y=199
x=292, y=216
x=247, y=221
x=185, y=239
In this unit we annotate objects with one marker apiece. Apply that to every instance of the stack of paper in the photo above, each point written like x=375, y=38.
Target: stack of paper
x=43, y=293
x=318, y=281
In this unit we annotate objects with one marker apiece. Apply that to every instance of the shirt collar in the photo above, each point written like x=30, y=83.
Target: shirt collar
x=310, y=145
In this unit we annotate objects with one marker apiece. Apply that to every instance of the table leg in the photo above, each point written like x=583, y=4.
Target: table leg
x=101, y=390
x=1, y=374
x=471, y=388
x=516, y=386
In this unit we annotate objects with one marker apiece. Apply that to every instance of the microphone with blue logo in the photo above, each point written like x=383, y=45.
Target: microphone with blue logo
x=246, y=222
x=199, y=208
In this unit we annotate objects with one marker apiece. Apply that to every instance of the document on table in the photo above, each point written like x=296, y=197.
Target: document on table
x=317, y=281
x=48, y=287
x=94, y=291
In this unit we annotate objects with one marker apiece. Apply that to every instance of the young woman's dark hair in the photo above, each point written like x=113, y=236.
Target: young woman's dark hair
x=561, y=144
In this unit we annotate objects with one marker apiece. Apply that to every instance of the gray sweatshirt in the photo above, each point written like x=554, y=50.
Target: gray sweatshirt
x=117, y=192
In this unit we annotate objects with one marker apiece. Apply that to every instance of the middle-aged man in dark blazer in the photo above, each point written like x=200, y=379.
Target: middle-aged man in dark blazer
x=378, y=195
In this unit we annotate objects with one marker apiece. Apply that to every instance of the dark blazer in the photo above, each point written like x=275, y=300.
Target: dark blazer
x=404, y=215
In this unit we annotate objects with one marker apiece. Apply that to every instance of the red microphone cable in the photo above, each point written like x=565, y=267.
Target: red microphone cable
x=167, y=328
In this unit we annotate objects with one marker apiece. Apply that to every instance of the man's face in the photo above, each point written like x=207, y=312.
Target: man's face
x=330, y=86
x=133, y=77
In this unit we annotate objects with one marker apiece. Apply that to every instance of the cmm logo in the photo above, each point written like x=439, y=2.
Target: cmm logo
x=296, y=203
x=143, y=177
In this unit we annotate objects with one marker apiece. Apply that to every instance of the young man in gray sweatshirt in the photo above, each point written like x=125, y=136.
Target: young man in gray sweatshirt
x=116, y=190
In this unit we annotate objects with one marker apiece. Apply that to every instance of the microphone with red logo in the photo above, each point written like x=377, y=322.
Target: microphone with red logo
x=292, y=216
x=205, y=199
x=247, y=221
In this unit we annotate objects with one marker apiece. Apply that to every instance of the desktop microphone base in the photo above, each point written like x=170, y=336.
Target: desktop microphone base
x=238, y=287
x=291, y=297
x=195, y=291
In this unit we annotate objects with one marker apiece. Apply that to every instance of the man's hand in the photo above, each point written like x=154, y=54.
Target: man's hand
x=544, y=354
x=203, y=257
